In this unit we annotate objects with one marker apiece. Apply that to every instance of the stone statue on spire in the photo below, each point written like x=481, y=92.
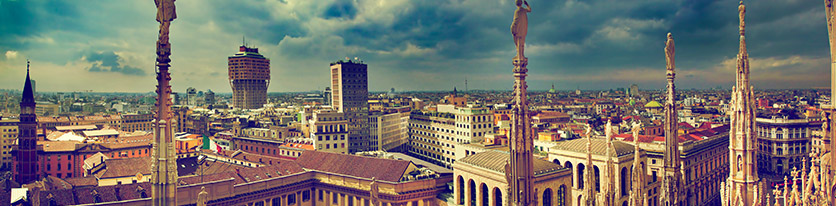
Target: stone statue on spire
x=669, y=54
x=519, y=27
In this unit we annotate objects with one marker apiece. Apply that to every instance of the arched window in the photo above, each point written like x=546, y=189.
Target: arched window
x=547, y=197
x=580, y=175
x=597, y=179
x=624, y=181
x=472, y=188
x=561, y=195
x=485, y=195
x=497, y=197
x=568, y=164
x=556, y=161
x=461, y=189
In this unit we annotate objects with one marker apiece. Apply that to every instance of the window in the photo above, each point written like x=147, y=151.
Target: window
x=306, y=196
x=320, y=195
x=291, y=199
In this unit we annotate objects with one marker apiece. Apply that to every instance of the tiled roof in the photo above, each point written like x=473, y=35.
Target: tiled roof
x=244, y=175
x=58, y=146
x=125, y=167
x=89, y=195
x=254, y=158
x=358, y=166
x=495, y=160
x=599, y=147
x=82, y=181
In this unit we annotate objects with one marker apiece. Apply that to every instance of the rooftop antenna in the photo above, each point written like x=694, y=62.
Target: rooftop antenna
x=244, y=40
x=465, y=85
x=27, y=66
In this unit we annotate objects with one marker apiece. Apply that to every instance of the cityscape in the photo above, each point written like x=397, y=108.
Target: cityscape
x=417, y=103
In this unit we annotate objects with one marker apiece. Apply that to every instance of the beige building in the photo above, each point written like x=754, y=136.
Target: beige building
x=329, y=131
x=784, y=143
x=137, y=122
x=389, y=130
x=8, y=133
x=480, y=179
x=434, y=135
x=47, y=109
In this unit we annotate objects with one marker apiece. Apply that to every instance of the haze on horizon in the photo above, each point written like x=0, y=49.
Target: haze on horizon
x=108, y=46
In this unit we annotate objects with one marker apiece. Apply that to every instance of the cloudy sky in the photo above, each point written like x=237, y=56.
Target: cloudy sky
x=413, y=45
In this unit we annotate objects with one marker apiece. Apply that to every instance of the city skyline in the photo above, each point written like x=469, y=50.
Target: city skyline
x=412, y=45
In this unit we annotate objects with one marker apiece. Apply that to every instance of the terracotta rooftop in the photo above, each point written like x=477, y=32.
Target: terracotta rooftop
x=244, y=175
x=125, y=167
x=495, y=160
x=358, y=166
x=58, y=146
x=90, y=195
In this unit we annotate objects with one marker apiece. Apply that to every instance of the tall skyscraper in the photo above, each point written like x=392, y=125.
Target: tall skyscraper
x=743, y=184
x=164, y=164
x=350, y=95
x=249, y=76
x=27, y=155
x=671, y=182
x=210, y=97
x=191, y=96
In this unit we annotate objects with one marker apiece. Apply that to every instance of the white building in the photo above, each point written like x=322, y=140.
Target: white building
x=433, y=135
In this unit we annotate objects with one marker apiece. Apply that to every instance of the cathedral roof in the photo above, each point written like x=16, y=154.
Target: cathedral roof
x=599, y=147
x=495, y=160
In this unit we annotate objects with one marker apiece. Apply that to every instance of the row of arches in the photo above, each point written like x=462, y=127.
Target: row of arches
x=578, y=174
x=466, y=192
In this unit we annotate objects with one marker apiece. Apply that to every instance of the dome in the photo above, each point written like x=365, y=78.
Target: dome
x=653, y=104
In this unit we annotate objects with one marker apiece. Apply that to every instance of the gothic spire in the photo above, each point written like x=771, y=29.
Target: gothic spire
x=28, y=92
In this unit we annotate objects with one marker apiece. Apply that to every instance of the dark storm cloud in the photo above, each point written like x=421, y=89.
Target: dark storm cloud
x=21, y=19
x=110, y=62
x=341, y=9
x=592, y=44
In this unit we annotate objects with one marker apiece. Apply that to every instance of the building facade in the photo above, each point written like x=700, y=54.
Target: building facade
x=389, y=130
x=8, y=133
x=329, y=131
x=191, y=96
x=137, y=122
x=249, y=76
x=433, y=136
x=784, y=143
x=350, y=94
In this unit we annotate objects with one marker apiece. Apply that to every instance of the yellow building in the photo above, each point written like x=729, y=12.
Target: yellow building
x=8, y=132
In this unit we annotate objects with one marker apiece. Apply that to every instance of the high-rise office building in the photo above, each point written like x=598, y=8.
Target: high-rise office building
x=349, y=95
x=327, y=95
x=249, y=76
x=210, y=97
